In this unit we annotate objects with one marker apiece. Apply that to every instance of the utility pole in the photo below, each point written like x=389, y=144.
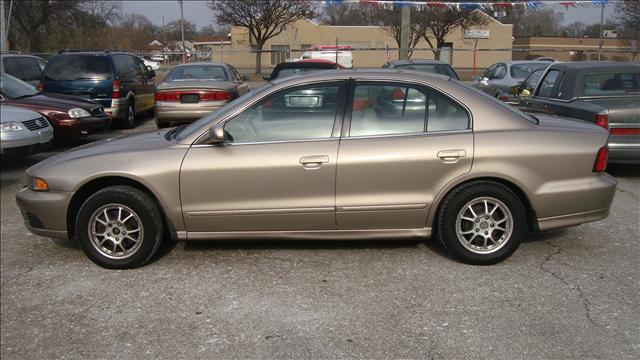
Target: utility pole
x=184, y=48
x=403, y=54
x=3, y=30
x=601, y=30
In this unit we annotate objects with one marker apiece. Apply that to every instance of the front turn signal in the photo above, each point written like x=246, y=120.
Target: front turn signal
x=38, y=184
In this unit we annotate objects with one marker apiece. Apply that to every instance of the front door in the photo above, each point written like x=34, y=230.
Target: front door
x=276, y=171
x=403, y=144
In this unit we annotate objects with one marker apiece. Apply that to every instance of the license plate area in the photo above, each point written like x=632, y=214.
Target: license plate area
x=189, y=98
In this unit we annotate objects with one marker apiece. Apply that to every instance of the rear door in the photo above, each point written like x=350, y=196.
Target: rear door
x=401, y=144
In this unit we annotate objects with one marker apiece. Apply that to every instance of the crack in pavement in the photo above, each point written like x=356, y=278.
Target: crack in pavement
x=585, y=301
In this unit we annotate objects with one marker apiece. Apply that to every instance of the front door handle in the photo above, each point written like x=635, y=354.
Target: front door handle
x=313, y=162
x=451, y=156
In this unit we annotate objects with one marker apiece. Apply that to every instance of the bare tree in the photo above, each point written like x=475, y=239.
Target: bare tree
x=263, y=19
x=575, y=29
x=436, y=24
x=539, y=22
x=390, y=18
x=345, y=13
x=627, y=17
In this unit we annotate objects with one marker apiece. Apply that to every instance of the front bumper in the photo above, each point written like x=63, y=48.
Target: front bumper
x=25, y=140
x=71, y=128
x=44, y=212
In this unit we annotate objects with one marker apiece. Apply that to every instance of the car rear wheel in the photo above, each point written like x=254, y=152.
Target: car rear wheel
x=130, y=116
x=482, y=223
x=119, y=227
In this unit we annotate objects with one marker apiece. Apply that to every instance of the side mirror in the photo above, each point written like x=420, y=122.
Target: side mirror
x=525, y=93
x=216, y=134
x=484, y=81
x=150, y=73
x=245, y=78
x=514, y=89
x=266, y=77
x=149, y=68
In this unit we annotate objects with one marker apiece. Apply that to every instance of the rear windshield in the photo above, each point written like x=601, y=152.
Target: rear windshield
x=293, y=72
x=619, y=83
x=70, y=67
x=521, y=71
x=430, y=69
x=198, y=72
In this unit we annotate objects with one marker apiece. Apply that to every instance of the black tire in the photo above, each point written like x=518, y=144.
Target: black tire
x=458, y=199
x=130, y=116
x=145, y=210
x=162, y=124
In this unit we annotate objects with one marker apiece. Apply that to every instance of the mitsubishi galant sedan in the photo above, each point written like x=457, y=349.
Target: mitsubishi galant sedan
x=325, y=156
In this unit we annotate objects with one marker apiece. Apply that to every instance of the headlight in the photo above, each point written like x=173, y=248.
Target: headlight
x=78, y=113
x=37, y=184
x=10, y=126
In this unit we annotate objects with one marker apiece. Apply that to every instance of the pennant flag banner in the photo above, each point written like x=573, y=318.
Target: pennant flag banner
x=472, y=5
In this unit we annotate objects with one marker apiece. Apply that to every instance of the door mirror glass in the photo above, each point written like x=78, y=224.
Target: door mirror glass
x=525, y=93
x=216, y=134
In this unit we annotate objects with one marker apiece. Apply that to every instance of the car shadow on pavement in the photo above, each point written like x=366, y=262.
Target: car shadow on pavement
x=623, y=170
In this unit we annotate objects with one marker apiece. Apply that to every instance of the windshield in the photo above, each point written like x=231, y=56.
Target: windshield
x=68, y=67
x=14, y=88
x=521, y=71
x=620, y=83
x=198, y=72
x=441, y=69
x=292, y=72
x=197, y=125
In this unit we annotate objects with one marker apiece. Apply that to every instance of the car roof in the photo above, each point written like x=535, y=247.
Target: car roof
x=418, y=61
x=587, y=65
x=373, y=74
x=201, y=63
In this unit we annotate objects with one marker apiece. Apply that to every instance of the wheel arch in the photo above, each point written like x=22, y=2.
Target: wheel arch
x=532, y=219
x=91, y=187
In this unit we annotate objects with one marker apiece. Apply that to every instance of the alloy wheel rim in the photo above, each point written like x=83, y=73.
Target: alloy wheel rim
x=116, y=231
x=484, y=225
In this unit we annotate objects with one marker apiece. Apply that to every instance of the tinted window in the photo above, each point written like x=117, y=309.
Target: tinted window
x=198, y=72
x=399, y=109
x=283, y=73
x=489, y=72
x=12, y=67
x=501, y=70
x=611, y=84
x=69, y=67
x=30, y=68
x=548, y=83
x=302, y=113
x=430, y=69
x=13, y=88
x=532, y=80
x=521, y=71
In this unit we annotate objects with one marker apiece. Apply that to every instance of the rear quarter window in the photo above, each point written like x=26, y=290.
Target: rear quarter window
x=30, y=68
x=614, y=83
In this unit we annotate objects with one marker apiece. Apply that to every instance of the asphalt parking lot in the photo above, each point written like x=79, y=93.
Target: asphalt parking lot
x=572, y=293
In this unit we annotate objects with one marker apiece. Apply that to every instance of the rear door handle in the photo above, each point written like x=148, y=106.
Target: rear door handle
x=451, y=156
x=313, y=162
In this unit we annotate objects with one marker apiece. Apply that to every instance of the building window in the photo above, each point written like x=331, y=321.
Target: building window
x=279, y=54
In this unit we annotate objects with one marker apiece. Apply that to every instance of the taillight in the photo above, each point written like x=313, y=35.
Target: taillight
x=40, y=86
x=625, y=131
x=115, y=90
x=602, y=120
x=601, y=159
x=202, y=95
x=503, y=97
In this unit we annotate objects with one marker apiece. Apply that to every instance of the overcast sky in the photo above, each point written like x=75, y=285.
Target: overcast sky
x=197, y=11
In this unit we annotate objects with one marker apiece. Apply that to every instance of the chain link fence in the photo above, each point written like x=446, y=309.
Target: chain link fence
x=467, y=62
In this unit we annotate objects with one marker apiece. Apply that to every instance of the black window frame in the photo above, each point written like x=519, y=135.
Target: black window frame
x=556, y=83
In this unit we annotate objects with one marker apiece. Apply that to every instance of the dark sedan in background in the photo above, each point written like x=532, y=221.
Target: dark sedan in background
x=70, y=116
x=295, y=68
x=191, y=91
x=604, y=93
x=424, y=66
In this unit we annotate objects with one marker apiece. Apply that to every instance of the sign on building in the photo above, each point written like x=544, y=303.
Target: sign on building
x=476, y=34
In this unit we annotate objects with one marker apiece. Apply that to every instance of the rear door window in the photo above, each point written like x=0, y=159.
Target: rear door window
x=30, y=68
x=12, y=67
x=548, y=84
x=69, y=67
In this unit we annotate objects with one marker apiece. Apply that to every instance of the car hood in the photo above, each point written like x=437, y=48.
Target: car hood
x=58, y=101
x=14, y=113
x=119, y=145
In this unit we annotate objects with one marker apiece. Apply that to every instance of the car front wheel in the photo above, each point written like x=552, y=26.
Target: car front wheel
x=482, y=223
x=119, y=227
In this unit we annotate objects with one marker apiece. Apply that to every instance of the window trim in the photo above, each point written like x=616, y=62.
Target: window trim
x=346, y=123
x=337, y=122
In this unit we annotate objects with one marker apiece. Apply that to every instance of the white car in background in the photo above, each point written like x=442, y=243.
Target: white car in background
x=158, y=57
x=154, y=65
x=23, y=132
x=329, y=53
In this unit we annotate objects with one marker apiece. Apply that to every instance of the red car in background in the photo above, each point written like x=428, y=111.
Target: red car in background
x=70, y=116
